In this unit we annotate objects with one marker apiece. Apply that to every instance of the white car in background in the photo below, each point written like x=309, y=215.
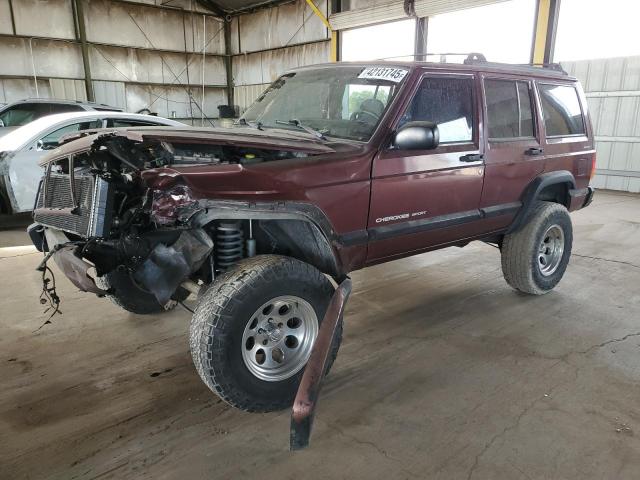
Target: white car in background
x=21, y=149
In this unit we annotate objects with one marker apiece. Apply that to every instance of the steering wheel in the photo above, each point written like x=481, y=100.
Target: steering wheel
x=365, y=116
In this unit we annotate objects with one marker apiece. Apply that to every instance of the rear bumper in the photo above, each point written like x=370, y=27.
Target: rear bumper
x=581, y=197
x=589, y=199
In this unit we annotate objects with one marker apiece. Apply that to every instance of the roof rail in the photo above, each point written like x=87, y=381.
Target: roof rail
x=475, y=58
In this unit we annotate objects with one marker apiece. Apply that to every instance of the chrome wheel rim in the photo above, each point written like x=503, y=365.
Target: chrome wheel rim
x=550, y=250
x=278, y=338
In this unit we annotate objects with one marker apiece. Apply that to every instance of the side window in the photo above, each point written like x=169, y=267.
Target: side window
x=561, y=110
x=508, y=109
x=448, y=102
x=63, y=108
x=51, y=140
x=24, y=113
x=121, y=122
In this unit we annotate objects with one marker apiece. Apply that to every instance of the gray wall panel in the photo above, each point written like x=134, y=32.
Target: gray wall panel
x=51, y=58
x=288, y=24
x=44, y=18
x=145, y=66
x=139, y=26
x=612, y=87
x=264, y=67
x=5, y=18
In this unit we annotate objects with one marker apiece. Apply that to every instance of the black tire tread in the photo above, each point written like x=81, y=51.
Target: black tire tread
x=215, y=313
x=517, y=261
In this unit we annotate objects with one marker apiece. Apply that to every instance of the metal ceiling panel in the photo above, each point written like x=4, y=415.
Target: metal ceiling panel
x=395, y=10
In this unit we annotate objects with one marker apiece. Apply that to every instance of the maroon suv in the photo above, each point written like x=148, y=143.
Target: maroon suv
x=333, y=168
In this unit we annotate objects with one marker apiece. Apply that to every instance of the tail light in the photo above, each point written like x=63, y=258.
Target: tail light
x=593, y=167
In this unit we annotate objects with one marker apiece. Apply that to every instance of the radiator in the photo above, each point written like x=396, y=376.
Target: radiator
x=87, y=215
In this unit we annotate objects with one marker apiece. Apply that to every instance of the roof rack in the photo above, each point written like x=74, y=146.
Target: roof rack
x=476, y=58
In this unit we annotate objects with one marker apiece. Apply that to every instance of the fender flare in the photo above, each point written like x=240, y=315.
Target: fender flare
x=531, y=193
x=323, y=230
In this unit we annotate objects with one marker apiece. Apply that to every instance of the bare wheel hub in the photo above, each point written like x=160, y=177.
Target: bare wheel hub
x=278, y=338
x=550, y=250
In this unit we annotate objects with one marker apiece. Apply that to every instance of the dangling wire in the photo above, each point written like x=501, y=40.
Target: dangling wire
x=49, y=295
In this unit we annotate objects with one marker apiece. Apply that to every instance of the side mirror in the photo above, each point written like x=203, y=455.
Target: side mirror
x=1, y=124
x=417, y=136
x=40, y=146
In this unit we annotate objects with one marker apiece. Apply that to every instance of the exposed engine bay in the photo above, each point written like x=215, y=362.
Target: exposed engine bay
x=98, y=207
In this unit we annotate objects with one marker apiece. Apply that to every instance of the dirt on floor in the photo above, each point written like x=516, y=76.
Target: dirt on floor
x=444, y=372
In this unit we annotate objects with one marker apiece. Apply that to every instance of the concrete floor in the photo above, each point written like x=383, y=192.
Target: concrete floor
x=445, y=372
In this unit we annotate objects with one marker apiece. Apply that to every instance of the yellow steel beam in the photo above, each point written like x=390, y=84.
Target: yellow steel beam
x=334, y=34
x=547, y=12
x=542, y=26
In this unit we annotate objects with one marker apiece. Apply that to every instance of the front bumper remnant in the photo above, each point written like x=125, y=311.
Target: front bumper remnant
x=306, y=400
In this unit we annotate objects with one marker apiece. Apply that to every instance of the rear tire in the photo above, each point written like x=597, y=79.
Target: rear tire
x=535, y=257
x=126, y=294
x=246, y=317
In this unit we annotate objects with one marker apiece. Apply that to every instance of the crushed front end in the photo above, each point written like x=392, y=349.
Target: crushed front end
x=115, y=218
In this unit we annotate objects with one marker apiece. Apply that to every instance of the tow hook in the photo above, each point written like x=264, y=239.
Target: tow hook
x=306, y=401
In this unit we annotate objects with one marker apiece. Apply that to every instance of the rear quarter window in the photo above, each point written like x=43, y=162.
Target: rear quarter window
x=561, y=110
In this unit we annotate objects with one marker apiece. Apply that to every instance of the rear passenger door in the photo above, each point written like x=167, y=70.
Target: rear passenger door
x=513, y=154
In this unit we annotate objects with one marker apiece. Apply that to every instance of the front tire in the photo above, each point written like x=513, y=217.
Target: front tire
x=535, y=258
x=129, y=296
x=253, y=331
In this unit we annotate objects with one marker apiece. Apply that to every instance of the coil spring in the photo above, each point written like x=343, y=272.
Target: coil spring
x=229, y=245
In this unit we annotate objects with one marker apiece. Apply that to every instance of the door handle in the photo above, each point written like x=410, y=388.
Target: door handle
x=534, y=151
x=472, y=157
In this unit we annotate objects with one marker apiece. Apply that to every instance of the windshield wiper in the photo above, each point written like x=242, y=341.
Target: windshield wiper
x=244, y=122
x=306, y=128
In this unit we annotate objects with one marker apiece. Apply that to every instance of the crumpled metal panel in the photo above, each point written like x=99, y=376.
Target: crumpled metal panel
x=76, y=270
x=288, y=24
x=612, y=87
x=168, y=266
x=264, y=67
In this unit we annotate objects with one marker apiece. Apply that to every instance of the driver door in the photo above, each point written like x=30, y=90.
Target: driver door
x=422, y=199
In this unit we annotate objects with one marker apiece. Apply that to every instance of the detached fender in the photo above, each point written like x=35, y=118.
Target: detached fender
x=318, y=240
x=533, y=190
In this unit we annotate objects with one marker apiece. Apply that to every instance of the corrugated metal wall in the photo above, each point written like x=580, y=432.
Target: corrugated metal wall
x=143, y=54
x=612, y=87
x=269, y=42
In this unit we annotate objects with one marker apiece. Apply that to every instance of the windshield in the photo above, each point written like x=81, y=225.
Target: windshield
x=343, y=102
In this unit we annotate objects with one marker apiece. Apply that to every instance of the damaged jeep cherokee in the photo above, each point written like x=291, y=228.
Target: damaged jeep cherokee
x=334, y=168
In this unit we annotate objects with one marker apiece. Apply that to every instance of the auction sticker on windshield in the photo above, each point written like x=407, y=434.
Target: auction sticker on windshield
x=384, y=73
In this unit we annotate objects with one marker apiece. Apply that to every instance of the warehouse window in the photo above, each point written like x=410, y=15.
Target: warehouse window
x=375, y=42
x=561, y=110
x=448, y=102
x=501, y=31
x=508, y=109
x=612, y=30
